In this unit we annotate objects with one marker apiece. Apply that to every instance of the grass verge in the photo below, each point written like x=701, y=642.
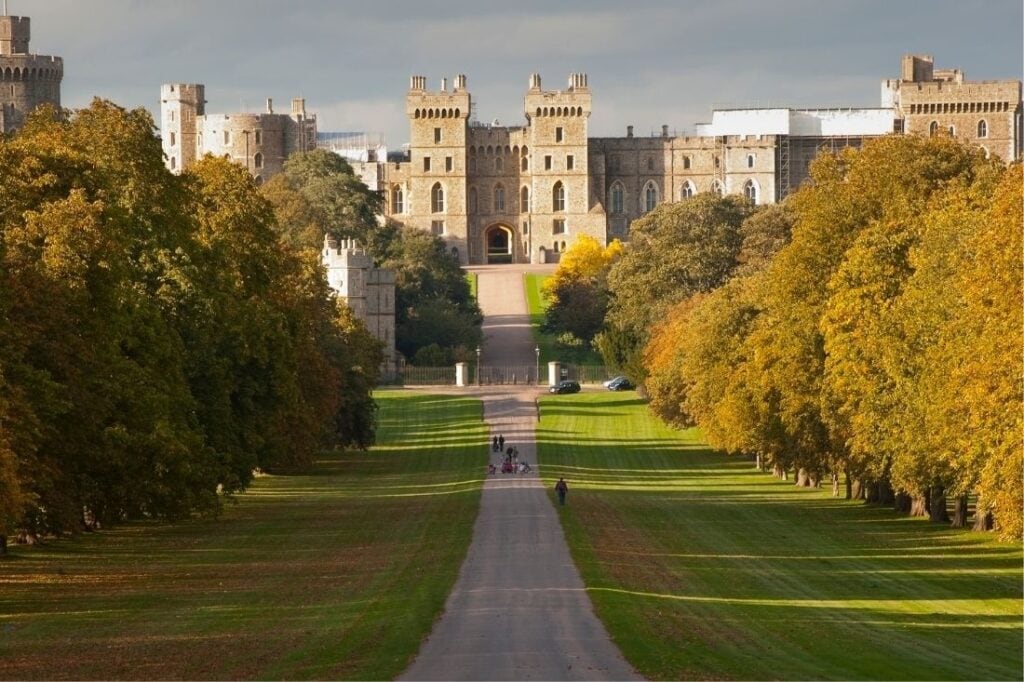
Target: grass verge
x=472, y=279
x=701, y=567
x=335, y=574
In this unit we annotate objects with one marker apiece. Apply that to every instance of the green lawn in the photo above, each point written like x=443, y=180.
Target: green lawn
x=702, y=567
x=337, y=574
x=472, y=278
x=537, y=303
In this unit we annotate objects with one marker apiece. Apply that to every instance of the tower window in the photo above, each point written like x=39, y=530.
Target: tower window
x=257, y=160
x=448, y=164
x=558, y=226
x=437, y=135
x=650, y=197
x=933, y=128
x=547, y=162
x=750, y=190
x=437, y=199
x=259, y=137
x=227, y=137
x=174, y=139
x=397, y=200
x=687, y=191
x=524, y=200
x=558, y=197
x=426, y=164
x=750, y=160
x=174, y=163
x=558, y=134
x=524, y=165
x=982, y=129
x=437, y=227
x=686, y=162
x=618, y=194
x=499, y=199
x=499, y=165
x=650, y=164
x=570, y=162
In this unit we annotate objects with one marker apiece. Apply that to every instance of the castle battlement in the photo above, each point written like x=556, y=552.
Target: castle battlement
x=30, y=80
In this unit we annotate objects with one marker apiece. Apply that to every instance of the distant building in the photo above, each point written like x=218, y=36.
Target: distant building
x=369, y=291
x=260, y=142
x=26, y=80
x=501, y=194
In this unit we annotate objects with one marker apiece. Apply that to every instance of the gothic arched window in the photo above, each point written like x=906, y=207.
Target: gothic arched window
x=437, y=198
x=558, y=197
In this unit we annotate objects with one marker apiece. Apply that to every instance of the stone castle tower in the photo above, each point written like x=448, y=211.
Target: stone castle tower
x=26, y=80
x=367, y=290
x=262, y=142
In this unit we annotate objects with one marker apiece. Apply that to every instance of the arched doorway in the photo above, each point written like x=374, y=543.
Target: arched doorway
x=498, y=241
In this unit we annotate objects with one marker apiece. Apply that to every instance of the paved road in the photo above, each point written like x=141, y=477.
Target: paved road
x=518, y=610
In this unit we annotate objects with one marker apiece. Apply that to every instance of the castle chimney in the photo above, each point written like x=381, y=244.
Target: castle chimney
x=664, y=131
x=299, y=107
x=535, y=81
x=629, y=131
x=270, y=105
x=444, y=85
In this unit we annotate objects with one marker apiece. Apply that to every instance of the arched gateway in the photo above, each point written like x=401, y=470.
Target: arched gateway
x=499, y=242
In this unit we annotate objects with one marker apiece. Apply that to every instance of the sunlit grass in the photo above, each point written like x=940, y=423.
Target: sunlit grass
x=335, y=574
x=702, y=567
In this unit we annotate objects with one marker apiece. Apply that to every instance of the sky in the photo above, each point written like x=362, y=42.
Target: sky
x=649, y=62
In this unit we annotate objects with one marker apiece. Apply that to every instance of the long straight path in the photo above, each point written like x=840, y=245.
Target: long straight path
x=518, y=610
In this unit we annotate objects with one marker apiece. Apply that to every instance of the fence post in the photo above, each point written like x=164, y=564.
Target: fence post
x=460, y=374
x=554, y=373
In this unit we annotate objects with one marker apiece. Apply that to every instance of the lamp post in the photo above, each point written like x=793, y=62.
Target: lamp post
x=478, y=365
x=536, y=349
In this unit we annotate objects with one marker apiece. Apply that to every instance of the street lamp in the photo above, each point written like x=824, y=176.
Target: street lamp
x=478, y=365
x=536, y=349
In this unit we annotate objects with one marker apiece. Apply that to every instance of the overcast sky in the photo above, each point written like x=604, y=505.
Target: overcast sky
x=649, y=62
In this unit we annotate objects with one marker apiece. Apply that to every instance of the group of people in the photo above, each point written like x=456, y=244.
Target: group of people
x=511, y=463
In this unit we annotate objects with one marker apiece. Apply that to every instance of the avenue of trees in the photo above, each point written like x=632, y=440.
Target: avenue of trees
x=162, y=337
x=437, y=320
x=876, y=347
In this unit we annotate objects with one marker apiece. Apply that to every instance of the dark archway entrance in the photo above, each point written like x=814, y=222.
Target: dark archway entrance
x=499, y=242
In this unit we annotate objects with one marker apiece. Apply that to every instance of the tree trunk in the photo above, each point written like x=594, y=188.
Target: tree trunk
x=778, y=471
x=802, y=479
x=3, y=545
x=960, y=512
x=871, y=492
x=854, y=488
x=901, y=503
x=982, y=522
x=835, y=485
x=885, y=492
x=937, y=508
x=919, y=505
x=757, y=462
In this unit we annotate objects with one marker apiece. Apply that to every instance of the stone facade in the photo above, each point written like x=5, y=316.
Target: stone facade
x=932, y=101
x=367, y=290
x=523, y=193
x=26, y=80
x=261, y=142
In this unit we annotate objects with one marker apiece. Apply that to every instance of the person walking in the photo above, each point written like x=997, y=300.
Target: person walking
x=561, y=488
x=494, y=444
x=501, y=442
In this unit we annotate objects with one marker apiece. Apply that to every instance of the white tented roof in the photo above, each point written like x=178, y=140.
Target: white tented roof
x=800, y=122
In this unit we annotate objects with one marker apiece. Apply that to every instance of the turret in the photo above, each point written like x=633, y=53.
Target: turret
x=181, y=104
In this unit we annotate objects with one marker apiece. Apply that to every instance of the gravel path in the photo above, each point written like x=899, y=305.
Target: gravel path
x=518, y=610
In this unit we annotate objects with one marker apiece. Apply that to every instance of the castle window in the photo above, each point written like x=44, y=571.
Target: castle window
x=257, y=160
x=558, y=197
x=259, y=137
x=473, y=204
x=952, y=131
x=174, y=163
x=499, y=199
x=650, y=163
x=570, y=162
x=558, y=134
x=750, y=190
x=437, y=198
x=716, y=188
x=397, y=200
x=547, y=162
x=173, y=139
x=650, y=197
x=933, y=128
x=718, y=162
x=437, y=227
x=687, y=191
x=558, y=226
x=526, y=228
x=426, y=164
x=982, y=129
x=618, y=196
x=448, y=164
x=524, y=200
x=499, y=164
x=750, y=160
x=616, y=162
x=227, y=137
x=437, y=135
x=172, y=114
x=472, y=164
x=524, y=165
x=686, y=163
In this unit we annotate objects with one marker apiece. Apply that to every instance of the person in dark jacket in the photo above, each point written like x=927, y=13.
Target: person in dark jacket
x=562, y=489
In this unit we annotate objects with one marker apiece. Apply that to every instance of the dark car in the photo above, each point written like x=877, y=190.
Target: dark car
x=620, y=384
x=565, y=386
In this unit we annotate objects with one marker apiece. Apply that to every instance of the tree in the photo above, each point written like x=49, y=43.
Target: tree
x=578, y=290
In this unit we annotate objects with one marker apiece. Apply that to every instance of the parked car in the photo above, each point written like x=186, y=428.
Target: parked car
x=565, y=386
x=608, y=383
x=620, y=384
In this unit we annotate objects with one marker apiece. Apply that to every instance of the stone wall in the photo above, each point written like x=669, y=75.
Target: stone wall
x=26, y=80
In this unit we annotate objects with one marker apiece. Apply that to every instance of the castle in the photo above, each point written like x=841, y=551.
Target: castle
x=261, y=142
x=26, y=80
x=369, y=291
x=503, y=194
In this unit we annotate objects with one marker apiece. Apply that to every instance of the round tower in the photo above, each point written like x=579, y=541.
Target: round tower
x=26, y=80
x=181, y=105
